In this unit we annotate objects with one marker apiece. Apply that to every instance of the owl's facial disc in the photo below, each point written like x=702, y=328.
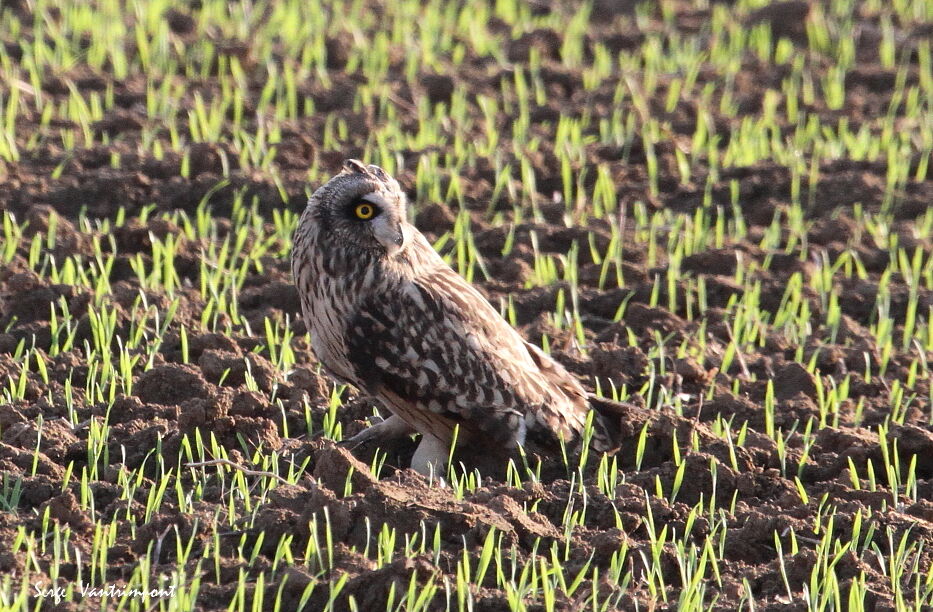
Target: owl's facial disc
x=387, y=228
x=389, y=234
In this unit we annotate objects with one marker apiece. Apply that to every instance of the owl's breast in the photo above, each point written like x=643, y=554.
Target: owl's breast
x=326, y=304
x=327, y=316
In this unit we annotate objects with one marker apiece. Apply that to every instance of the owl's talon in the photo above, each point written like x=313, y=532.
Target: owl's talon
x=359, y=439
x=385, y=430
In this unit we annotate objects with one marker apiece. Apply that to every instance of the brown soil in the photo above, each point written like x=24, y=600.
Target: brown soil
x=173, y=399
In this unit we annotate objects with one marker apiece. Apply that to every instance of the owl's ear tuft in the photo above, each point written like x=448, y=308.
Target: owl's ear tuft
x=379, y=173
x=354, y=166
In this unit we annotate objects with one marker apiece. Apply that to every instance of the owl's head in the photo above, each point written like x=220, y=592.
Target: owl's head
x=362, y=208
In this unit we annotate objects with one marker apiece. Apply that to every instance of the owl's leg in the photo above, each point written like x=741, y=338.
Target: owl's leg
x=390, y=429
x=430, y=459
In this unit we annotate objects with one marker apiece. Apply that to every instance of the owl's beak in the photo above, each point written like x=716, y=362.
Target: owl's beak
x=389, y=233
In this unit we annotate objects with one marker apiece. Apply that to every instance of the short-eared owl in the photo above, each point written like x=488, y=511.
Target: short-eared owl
x=389, y=316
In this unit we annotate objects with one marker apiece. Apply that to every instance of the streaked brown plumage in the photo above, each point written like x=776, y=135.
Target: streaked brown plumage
x=389, y=316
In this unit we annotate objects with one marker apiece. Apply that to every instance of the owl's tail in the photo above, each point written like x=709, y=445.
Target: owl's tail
x=610, y=423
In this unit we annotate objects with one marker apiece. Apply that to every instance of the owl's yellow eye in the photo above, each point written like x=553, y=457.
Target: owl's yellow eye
x=364, y=211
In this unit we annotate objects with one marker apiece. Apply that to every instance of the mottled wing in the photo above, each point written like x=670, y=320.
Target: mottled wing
x=438, y=353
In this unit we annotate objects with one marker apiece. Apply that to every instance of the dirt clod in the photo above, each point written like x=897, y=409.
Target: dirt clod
x=171, y=384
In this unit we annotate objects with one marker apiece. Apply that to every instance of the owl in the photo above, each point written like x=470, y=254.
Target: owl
x=388, y=315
